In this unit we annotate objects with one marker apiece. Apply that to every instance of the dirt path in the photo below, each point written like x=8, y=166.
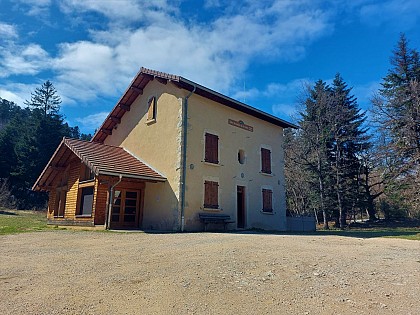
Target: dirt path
x=65, y=272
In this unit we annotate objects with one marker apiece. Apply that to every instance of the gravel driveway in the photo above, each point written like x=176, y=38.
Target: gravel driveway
x=76, y=272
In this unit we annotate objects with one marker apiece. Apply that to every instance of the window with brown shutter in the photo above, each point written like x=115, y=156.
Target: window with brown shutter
x=267, y=197
x=151, y=112
x=211, y=154
x=211, y=195
x=265, y=161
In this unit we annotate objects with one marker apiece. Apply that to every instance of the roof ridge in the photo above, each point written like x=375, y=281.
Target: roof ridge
x=161, y=74
x=93, y=142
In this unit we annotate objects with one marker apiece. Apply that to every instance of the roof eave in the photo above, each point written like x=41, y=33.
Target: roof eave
x=36, y=184
x=239, y=105
x=145, y=178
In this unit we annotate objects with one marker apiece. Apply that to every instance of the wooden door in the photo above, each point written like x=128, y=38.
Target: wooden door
x=126, y=208
x=240, y=200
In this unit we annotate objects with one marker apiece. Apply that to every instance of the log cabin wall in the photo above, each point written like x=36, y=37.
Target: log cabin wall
x=101, y=201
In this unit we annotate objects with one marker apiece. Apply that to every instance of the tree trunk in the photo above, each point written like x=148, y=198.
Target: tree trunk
x=321, y=195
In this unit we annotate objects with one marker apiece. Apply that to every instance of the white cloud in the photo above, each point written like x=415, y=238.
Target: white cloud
x=10, y=96
x=17, y=92
x=275, y=90
x=284, y=110
x=36, y=7
x=215, y=54
x=156, y=35
x=16, y=59
x=120, y=11
x=92, y=121
x=403, y=13
x=7, y=31
x=86, y=70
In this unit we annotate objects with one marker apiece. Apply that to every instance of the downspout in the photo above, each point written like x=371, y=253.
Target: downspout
x=184, y=156
x=111, y=199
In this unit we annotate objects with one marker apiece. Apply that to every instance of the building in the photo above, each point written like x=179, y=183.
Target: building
x=169, y=150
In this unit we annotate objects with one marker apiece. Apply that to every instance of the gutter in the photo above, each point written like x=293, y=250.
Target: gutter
x=184, y=155
x=110, y=201
x=146, y=178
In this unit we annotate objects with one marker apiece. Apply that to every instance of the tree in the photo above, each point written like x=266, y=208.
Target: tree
x=325, y=154
x=396, y=109
x=28, y=138
x=300, y=192
x=348, y=140
x=316, y=135
x=45, y=98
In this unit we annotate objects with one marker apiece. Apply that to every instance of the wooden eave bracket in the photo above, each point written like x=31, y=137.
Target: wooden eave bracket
x=162, y=80
x=136, y=89
x=124, y=107
x=107, y=131
x=115, y=119
x=57, y=168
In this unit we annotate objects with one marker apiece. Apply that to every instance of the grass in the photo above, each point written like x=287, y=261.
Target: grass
x=405, y=229
x=20, y=221
x=397, y=232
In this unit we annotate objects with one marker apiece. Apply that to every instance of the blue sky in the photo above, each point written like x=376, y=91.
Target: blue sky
x=260, y=52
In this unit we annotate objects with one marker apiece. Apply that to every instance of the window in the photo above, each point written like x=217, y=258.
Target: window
x=86, y=201
x=211, y=149
x=241, y=156
x=151, y=111
x=265, y=161
x=211, y=195
x=267, y=197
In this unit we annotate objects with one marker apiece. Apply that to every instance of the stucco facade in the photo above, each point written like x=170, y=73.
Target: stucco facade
x=165, y=121
x=208, y=116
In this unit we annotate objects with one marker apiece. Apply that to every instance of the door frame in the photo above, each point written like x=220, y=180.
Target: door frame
x=240, y=201
x=139, y=208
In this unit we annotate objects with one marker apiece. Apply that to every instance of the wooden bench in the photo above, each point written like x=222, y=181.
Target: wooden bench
x=207, y=218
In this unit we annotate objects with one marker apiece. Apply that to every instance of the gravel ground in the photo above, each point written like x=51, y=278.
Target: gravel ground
x=76, y=272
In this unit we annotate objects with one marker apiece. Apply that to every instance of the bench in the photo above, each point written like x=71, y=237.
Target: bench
x=207, y=218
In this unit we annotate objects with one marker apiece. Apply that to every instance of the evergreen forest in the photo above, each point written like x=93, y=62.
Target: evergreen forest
x=344, y=164
x=28, y=137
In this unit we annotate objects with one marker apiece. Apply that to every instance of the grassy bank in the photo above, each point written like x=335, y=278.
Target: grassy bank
x=396, y=232
x=19, y=221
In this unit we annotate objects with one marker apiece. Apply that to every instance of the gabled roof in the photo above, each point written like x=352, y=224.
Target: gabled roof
x=100, y=158
x=144, y=76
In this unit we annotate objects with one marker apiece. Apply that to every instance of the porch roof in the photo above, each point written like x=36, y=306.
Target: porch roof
x=101, y=159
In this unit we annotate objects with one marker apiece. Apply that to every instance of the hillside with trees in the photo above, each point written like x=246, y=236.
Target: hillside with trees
x=340, y=166
x=28, y=138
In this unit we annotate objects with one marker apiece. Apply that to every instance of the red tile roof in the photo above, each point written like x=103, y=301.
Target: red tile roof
x=144, y=76
x=100, y=158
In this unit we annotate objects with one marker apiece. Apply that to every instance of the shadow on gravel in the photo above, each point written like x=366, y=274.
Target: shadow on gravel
x=409, y=229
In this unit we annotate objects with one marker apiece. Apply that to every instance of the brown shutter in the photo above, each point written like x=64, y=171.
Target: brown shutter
x=265, y=161
x=267, y=196
x=211, y=194
x=151, y=112
x=215, y=195
x=211, y=148
x=207, y=194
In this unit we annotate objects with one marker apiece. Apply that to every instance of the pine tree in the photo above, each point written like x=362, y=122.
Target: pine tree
x=348, y=141
x=46, y=99
x=315, y=138
x=397, y=110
